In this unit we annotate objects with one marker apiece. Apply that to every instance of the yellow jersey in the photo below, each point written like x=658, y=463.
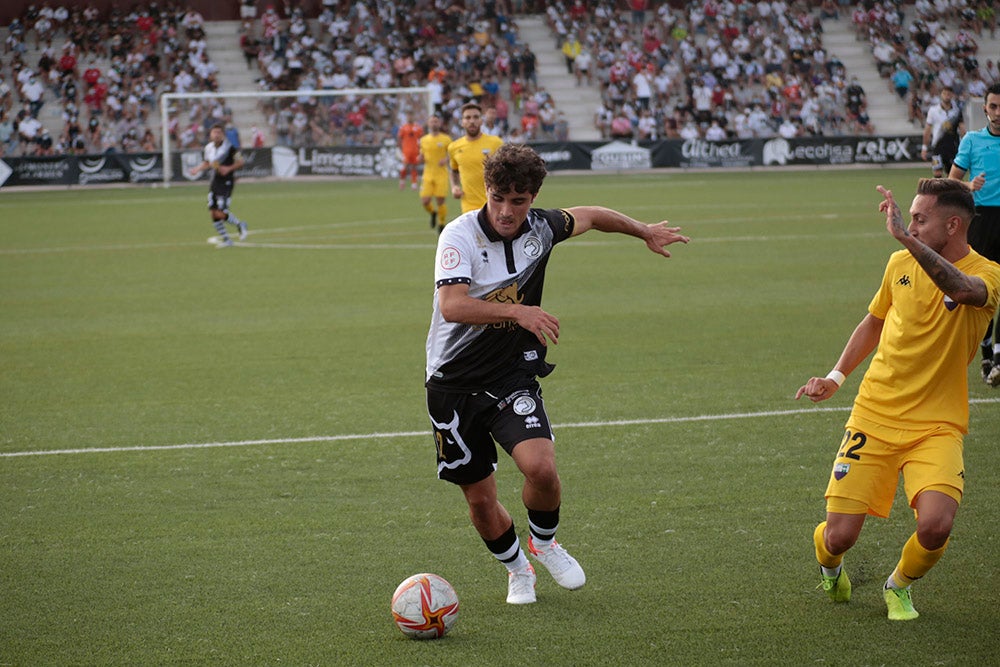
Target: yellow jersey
x=434, y=148
x=466, y=157
x=918, y=377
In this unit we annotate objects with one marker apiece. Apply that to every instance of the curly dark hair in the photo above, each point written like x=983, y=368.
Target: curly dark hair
x=514, y=168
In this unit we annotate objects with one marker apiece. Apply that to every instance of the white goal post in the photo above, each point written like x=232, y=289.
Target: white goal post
x=415, y=99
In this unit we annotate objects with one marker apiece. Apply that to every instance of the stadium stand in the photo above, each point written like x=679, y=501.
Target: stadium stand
x=581, y=70
x=929, y=45
x=471, y=54
x=707, y=69
x=759, y=69
x=91, y=80
x=466, y=53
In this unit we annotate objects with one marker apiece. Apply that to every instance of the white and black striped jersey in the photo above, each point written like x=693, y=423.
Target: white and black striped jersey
x=469, y=358
x=225, y=153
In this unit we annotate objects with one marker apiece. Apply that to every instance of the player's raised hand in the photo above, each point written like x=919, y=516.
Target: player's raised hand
x=893, y=216
x=663, y=235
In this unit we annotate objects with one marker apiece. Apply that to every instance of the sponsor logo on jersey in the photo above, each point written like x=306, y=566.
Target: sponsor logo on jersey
x=506, y=294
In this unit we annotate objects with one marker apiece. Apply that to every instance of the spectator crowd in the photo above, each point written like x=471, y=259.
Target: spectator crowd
x=460, y=51
x=710, y=70
x=706, y=69
x=935, y=47
x=99, y=75
x=736, y=69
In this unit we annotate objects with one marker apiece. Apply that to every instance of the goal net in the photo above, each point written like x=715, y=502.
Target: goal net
x=318, y=132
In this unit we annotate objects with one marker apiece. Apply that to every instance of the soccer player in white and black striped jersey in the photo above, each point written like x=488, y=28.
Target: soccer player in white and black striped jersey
x=486, y=349
x=225, y=159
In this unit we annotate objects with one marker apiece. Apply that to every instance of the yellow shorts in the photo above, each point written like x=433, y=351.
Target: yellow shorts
x=434, y=185
x=867, y=467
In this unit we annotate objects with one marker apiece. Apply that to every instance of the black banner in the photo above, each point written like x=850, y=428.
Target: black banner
x=842, y=150
x=384, y=161
x=38, y=170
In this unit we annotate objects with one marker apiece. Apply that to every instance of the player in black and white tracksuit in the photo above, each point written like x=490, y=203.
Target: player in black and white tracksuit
x=224, y=159
x=486, y=348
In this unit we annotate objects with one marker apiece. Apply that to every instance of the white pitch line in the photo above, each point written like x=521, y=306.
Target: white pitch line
x=411, y=434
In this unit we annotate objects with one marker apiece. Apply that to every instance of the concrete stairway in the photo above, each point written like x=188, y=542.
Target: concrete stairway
x=578, y=103
x=224, y=50
x=886, y=110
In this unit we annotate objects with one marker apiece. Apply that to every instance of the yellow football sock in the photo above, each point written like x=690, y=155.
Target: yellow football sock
x=915, y=562
x=825, y=558
x=442, y=214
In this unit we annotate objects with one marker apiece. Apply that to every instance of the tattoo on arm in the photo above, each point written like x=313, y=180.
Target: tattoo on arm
x=942, y=272
x=897, y=220
x=949, y=279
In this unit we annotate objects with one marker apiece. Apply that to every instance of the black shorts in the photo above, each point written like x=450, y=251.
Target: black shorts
x=219, y=201
x=467, y=428
x=984, y=232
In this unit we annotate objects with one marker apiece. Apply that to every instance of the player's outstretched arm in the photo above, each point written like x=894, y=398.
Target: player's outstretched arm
x=657, y=236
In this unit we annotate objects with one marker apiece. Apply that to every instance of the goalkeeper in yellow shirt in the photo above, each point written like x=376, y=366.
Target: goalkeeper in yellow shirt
x=912, y=408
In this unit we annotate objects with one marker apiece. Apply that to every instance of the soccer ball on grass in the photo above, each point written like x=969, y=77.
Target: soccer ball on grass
x=425, y=606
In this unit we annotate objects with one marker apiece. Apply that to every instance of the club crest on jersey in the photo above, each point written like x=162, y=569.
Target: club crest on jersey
x=532, y=247
x=840, y=470
x=524, y=405
x=949, y=303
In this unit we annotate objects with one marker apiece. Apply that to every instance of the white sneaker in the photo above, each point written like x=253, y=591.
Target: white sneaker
x=521, y=586
x=563, y=567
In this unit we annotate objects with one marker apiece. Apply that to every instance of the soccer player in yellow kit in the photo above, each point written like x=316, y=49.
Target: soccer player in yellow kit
x=466, y=156
x=912, y=411
x=434, y=184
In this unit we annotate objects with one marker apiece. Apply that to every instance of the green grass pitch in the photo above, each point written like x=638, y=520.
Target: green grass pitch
x=243, y=471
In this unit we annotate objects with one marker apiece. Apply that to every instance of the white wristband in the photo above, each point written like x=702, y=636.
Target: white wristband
x=836, y=376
